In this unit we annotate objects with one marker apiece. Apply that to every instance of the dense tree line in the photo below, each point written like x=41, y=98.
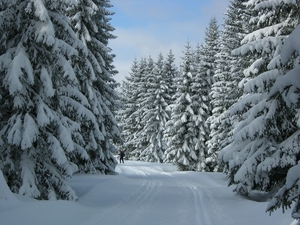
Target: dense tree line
x=57, y=96
x=232, y=105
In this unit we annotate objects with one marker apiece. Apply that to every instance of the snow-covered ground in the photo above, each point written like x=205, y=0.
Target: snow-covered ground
x=144, y=194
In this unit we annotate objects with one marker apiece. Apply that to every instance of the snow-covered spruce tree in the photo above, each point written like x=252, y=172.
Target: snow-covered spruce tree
x=209, y=52
x=43, y=133
x=171, y=74
x=155, y=116
x=199, y=98
x=229, y=72
x=206, y=67
x=38, y=83
x=126, y=114
x=94, y=69
x=141, y=138
x=131, y=114
x=182, y=130
x=265, y=122
x=286, y=157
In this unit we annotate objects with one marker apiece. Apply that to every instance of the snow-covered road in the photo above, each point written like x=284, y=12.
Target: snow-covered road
x=144, y=194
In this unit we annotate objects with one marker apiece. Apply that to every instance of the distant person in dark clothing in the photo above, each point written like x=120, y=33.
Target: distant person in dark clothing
x=122, y=155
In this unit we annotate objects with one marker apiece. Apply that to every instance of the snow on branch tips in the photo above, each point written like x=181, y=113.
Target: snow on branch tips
x=20, y=64
x=40, y=11
x=269, y=33
x=42, y=117
x=260, y=45
x=58, y=153
x=28, y=187
x=45, y=33
x=289, y=84
x=273, y=4
x=291, y=45
x=68, y=69
x=5, y=193
x=15, y=134
x=260, y=80
x=65, y=138
x=30, y=132
x=254, y=68
x=47, y=82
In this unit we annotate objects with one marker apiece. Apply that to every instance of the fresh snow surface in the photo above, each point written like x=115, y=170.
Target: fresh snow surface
x=144, y=194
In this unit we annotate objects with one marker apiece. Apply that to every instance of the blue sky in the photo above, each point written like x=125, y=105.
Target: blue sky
x=148, y=27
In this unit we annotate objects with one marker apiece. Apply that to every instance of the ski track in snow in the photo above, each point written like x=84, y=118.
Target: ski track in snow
x=136, y=198
x=154, y=185
x=203, y=213
x=122, y=211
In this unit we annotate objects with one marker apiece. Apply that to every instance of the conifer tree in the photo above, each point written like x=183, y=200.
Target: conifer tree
x=201, y=109
x=182, y=130
x=284, y=162
x=155, y=116
x=229, y=72
x=263, y=119
x=209, y=52
x=125, y=115
x=206, y=66
x=38, y=81
x=131, y=114
x=45, y=101
x=90, y=20
x=171, y=74
x=141, y=139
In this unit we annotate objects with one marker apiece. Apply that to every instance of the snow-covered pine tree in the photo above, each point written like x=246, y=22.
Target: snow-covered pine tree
x=38, y=85
x=206, y=67
x=182, y=130
x=264, y=120
x=286, y=157
x=155, y=116
x=229, y=72
x=94, y=69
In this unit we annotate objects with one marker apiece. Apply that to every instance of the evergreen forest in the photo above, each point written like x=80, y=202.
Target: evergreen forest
x=232, y=105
